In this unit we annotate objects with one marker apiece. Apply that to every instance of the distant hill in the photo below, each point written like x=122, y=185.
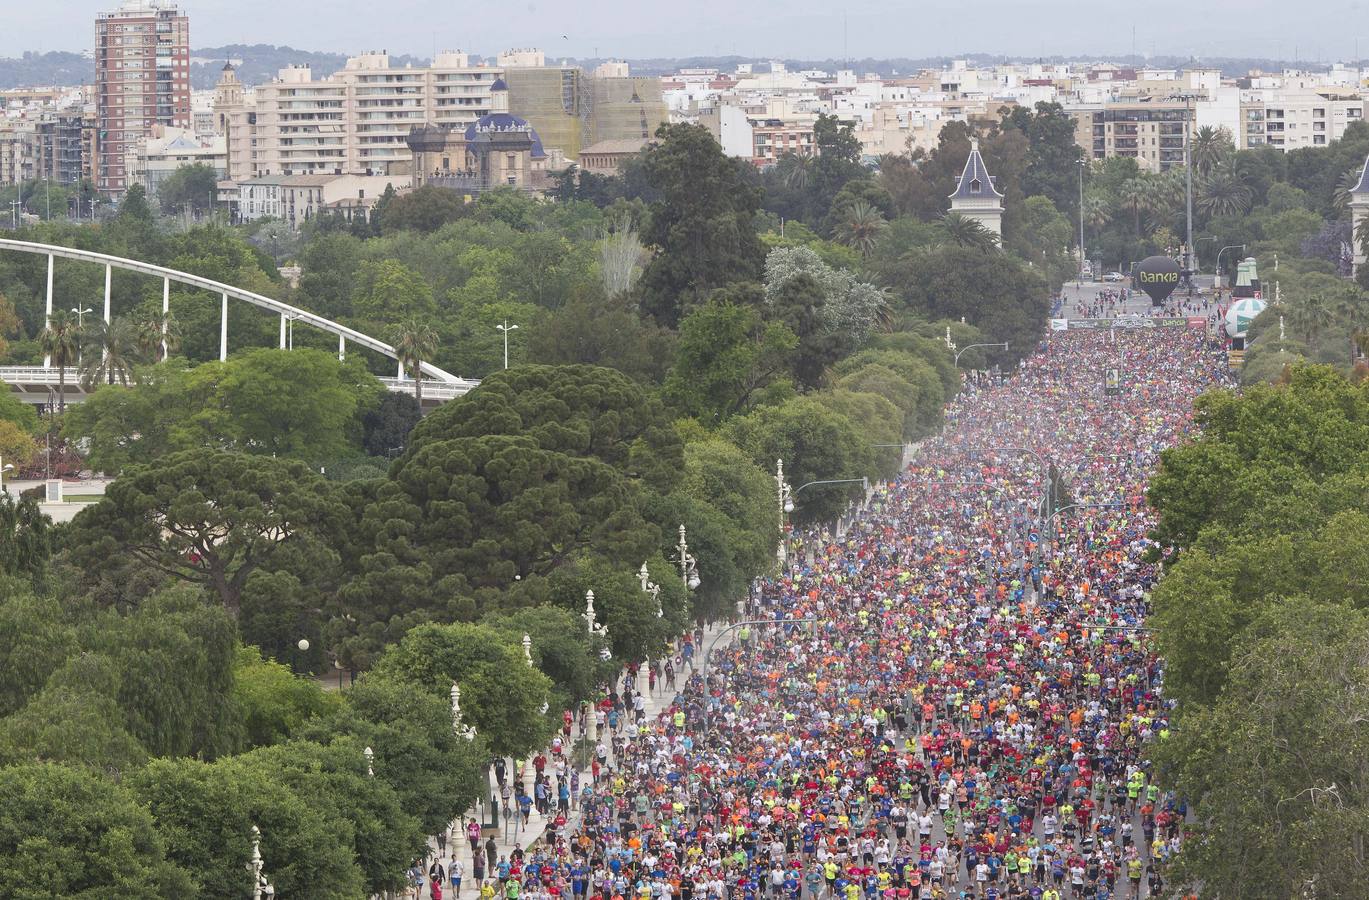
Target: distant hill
x=260, y=62
x=42, y=69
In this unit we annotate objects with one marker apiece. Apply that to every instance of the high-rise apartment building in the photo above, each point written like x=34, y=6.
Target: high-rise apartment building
x=352, y=122
x=142, y=78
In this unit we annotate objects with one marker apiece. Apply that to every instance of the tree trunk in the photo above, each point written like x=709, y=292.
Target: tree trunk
x=418, y=383
x=61, y=387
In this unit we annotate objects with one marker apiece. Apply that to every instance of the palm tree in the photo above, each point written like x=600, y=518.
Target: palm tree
x=117, y=342
x=1224, y=192
x=1136, y=193
x=1313, y=314
x=415, y=341
x=1208, y=147
x=861, y=226
x=61, y=342
x=153, y=330
x=1340, y=197
x=795, y=171
x=967, y=232
x=1097, y=210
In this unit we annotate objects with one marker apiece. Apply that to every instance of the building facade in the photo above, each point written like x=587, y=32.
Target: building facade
x=355, y=121
x=142, y=78
x=295, y=199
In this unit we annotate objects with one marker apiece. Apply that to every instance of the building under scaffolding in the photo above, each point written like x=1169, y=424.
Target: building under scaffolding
x=572, y=109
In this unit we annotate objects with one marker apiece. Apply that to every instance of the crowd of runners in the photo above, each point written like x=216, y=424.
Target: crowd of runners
x=954, y=699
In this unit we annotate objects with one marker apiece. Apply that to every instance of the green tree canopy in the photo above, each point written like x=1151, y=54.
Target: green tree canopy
x=501, y=696
x=701, y=225
x=208, y=517
x=70, y=833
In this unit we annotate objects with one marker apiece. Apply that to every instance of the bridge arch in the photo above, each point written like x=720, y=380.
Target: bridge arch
x=344, y=334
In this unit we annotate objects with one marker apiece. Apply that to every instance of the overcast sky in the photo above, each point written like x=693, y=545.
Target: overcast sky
x=811, y=29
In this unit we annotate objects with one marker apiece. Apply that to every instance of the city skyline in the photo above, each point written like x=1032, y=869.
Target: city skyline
x=797, y=29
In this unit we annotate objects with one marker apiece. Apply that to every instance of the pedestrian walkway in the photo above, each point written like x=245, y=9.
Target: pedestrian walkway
x=512, y=834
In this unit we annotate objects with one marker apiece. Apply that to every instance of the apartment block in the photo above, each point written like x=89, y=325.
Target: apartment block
x=1286, y=119
x=1151, y=131
x=142, y=79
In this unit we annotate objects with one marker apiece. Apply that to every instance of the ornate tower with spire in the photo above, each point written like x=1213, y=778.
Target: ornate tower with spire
x=976, y=197
x=1359, y=212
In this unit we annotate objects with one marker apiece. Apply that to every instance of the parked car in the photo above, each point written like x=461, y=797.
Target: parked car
x=1114, y=276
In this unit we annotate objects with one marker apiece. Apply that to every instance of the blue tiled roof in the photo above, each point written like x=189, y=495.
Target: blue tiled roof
x=974, y=182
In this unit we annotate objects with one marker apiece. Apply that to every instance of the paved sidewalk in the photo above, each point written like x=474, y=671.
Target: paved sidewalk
x=517, y=834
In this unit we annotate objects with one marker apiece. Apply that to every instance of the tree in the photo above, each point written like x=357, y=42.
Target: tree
x=598, y=331
x=276, y=239
x=702, y=225
x=1223, y=192
x=69, y=833
x=992, y=291
x=273, y=703
x=1051, y=166
x=501, y=696
x=815, y=443
x=725, y=355
x=152, y=332
x=36, y=638
x=620, y=254
x=1272, y=770
x=415, y=341
x=1042, y=237
x=1316, y=426
x=967, y=232
x=25, y=534
x=208, y=517
x=860, y=227
x=387, y=291
x=195, y=187
x=1210, y=145
x=1137, y=194
x=425, y=209
x=205, y=814
x=561, y=648
x=436, y=773
x=61, y=341
x=386, y=427
x=117, y=343
x=17, y=447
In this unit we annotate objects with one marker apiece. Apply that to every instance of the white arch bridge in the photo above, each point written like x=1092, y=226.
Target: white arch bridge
x=37, y=384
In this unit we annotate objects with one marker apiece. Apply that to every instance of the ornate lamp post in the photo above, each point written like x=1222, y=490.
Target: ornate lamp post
x=465, y=731
x=784, y=498
x=527, y=649
x=260, y=886
x=689, y=568
x=370, y=758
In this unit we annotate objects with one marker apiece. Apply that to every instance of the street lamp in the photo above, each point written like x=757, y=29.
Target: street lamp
x=80, y=327
x=1083, y=164
x=7, y=467
x=465, y=731
x=527, y=649
x=652, y=588
x=689, y=570
x=784, y=498
x=506, y=328
x=956, y=362
x=370, y=758
x=303, y=645
x=260, y=886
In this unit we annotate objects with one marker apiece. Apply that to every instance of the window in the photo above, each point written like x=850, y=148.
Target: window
x=975, y=185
